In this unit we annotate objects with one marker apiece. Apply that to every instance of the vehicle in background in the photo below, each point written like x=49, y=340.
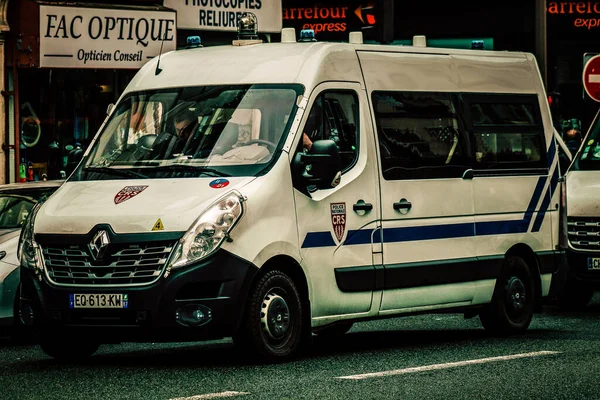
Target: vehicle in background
x=16, y=202
x=583, y=222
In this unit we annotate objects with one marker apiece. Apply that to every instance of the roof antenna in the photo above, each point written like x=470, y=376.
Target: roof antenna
x=158, y=69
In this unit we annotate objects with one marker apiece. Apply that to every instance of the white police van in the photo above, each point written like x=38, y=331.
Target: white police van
x=582, y=224
x=270, y=191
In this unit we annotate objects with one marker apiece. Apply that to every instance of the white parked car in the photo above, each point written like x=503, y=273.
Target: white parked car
x=16, y=201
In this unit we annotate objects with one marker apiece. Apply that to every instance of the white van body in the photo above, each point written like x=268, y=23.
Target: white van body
x=583, y=222
x=315, y=257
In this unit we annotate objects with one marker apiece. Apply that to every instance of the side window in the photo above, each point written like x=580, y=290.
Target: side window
x=508, y=131
x=420, y=135
x=334, y=116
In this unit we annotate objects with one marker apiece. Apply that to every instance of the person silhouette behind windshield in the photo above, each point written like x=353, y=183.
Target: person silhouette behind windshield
x=185, y=122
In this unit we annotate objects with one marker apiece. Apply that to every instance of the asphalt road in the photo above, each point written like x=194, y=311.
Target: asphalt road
x=420, y=357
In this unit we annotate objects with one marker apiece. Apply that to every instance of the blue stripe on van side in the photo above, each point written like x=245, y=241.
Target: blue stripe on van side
x=413, y=233
x=319, y=239
x=537, y=225
x=551, y=153
x=539, y=187
x=361, y=236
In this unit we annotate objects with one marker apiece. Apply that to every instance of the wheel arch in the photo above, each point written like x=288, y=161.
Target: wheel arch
x=292, y=268
x=528, y=255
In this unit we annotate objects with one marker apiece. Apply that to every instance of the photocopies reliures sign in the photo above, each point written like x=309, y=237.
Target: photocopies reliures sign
x=222, y=15
x=73, y=37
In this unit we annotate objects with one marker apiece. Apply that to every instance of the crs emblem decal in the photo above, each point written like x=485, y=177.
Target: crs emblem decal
x=128, y=192
x=338, y=219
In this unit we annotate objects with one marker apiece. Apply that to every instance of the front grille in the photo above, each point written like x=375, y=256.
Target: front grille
x=584, y=233
x=123, y=264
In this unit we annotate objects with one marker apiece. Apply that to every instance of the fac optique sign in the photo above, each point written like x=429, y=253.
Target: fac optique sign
x=584, y=14
x=84, y=37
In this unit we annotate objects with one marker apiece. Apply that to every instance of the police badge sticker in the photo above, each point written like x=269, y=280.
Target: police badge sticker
x=338, y=219
x=128, y=192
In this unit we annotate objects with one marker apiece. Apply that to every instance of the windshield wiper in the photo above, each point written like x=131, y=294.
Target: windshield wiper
x=115, y=171
x=191, y=168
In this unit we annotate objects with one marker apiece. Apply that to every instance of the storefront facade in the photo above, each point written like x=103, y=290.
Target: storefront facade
x=66, y=62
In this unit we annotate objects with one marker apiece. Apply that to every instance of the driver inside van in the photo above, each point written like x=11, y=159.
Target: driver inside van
x=185, y=122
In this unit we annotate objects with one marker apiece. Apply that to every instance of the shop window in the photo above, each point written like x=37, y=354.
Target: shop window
x=420, y=135
x=508, y=131
x=334, y=116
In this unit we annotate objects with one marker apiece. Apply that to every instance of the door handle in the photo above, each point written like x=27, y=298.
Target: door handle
x=407, y=205
x=362, y=207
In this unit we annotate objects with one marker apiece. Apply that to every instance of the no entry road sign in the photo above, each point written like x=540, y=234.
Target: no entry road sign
x=591, y=78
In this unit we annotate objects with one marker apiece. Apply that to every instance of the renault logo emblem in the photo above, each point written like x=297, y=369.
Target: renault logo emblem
x=99, y=244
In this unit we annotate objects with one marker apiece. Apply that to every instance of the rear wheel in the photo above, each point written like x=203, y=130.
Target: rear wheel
x=272, y=326
x=511, y=308
x=68, y=350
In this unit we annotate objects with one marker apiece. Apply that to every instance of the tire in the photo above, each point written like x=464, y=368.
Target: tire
x=333, y=331
x=65, y=350
x=511, y=308
x=19, y=333
x=273, y=325
x=574, y=296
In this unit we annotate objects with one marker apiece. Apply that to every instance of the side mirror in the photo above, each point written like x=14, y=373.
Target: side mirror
x=110, y=108
x=321, y=167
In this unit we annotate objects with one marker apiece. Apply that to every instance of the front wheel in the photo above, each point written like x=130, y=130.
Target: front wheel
x=65, y=350
x=511, y=308
x=272, y=325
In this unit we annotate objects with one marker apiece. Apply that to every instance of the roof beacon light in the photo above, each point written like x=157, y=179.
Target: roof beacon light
x=193, y=42
x=288, y=35
x=356, y=38
x=247, y=27
x=478, y=44
x=419, y=41
x=307, y=35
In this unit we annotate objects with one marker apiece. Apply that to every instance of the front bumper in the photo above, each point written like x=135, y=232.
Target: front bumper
x=578, y=268
x=219, y=283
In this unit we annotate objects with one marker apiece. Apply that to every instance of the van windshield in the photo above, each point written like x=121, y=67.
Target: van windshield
x=233, y=130
x=588, y=158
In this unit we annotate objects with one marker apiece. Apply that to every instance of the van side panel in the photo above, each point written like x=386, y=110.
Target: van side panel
x=402, y=71
x=506, y=205
x=327, y=64
x=494, y=74
x=427, y=221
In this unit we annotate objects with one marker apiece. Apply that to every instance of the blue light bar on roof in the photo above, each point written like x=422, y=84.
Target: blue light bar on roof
x=307, y=35
x=193, y=42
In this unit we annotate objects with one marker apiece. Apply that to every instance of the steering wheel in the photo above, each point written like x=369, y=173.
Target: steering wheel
x=267, y=143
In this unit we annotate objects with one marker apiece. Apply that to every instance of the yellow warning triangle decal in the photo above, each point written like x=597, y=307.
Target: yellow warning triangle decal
x=158, y=226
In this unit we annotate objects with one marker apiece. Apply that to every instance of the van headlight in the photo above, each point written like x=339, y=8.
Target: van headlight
x=28, y=251
x=209, y=231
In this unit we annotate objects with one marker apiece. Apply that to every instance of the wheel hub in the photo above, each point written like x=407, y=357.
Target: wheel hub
x=515, y=293
x=275, y=316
